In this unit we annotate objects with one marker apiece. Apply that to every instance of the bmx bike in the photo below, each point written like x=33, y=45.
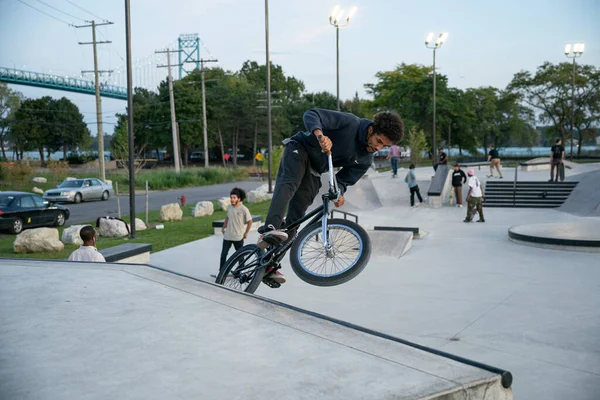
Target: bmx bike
x=326, y=252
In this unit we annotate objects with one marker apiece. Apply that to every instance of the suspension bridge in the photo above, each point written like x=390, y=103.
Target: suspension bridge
x=145, y=73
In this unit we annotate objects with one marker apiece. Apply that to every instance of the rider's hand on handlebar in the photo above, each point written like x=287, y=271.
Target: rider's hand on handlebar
x=326, y=144
x=339, y=202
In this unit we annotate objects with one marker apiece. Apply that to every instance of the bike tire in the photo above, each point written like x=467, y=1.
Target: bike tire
x=232, y=262
x=337, y=279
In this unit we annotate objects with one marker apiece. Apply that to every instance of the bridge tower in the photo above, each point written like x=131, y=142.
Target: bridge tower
x=189, y=50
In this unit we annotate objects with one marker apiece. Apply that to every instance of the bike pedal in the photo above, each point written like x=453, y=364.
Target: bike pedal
x=271, y=283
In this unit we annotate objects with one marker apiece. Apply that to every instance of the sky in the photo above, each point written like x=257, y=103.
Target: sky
x=488, y=42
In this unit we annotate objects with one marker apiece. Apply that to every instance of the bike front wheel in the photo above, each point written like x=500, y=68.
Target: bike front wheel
x=243, y=271
x=347, y=253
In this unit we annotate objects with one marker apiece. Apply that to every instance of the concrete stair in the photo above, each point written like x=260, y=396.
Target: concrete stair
x=527, y=194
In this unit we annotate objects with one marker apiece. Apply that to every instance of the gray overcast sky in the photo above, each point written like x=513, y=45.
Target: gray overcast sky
x=488, y=40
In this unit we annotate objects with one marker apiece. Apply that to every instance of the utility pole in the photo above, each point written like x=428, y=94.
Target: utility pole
x=96, y=72
x=176, y=153
x=204, y=112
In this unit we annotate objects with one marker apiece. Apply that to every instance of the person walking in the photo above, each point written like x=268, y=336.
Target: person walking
x=87, y=251
x=394, y=155
x=411, y=180
x=458, y=178
x=474, y=198
x=494, y=160
x=556, y=159
x=236, y=226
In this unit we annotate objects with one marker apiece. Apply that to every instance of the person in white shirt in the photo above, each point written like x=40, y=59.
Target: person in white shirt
x=87, y=251
x=474, y=197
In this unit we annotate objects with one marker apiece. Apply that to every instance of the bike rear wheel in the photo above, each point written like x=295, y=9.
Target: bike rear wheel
x=242, y=271
x=348, y=255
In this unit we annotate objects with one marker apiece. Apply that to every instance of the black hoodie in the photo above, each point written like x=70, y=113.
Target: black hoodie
x=348, y=134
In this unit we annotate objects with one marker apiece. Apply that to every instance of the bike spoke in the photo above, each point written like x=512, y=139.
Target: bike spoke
x=345, y=250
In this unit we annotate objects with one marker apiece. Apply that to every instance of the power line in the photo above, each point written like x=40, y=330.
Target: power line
x=60, y=11
x=45, y=13
x=84, y=10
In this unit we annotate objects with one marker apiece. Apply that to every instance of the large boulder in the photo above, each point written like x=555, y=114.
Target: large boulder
x=113, y=228
x=203, y=208
x=140, y=225
x=71, y=235
x=37, y=190
x=39, y=179
x=171, y=212
x=224, y=203
x=259, y=194
x=38, y=240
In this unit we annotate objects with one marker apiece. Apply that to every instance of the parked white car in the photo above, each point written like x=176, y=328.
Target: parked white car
x=78, y=190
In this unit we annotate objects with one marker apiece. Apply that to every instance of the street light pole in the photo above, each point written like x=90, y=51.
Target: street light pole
x=438, y=43
x=268, y=78
x=334, y=18
x=130, y=137
x=577, y=52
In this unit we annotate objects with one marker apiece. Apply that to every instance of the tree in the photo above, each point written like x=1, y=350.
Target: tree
x=9, y=104
x=549, y=90
x=409, y=90
x=418, y=144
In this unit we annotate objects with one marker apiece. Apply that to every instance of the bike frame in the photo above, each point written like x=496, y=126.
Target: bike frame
x=319, y=213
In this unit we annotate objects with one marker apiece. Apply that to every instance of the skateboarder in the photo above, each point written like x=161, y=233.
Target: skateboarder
x=474, y=198
x=351, y=140
x=443, y=159
x=394, y=155
x=411, y=180
x=556, y=161
x=494, y=160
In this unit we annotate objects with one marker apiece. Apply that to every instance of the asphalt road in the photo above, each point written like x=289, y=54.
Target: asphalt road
x=90, y=211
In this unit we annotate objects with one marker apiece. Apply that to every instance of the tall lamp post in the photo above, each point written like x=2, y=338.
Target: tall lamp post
x=438, y=43
x=334, y=19
x=573, y=52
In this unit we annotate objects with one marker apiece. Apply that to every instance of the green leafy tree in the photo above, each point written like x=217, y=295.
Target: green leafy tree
x=418, y=144
x=549, y=90
x=9, y=104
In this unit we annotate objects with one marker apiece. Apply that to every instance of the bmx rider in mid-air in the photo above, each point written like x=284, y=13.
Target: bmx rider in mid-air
x=352, y=142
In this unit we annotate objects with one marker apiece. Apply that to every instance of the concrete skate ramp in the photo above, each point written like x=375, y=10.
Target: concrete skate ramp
x=585, y=198
x=103, y=331
x=372, y=192
x=390, y=243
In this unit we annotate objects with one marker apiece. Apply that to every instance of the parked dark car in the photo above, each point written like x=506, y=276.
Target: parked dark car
x=19, y=210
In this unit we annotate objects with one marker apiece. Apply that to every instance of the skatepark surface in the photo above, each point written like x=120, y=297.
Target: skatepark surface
x=117, y=331
x=465, y=289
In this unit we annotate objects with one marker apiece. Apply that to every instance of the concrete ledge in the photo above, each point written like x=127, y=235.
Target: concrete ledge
x=583, y=236
x=136, y=253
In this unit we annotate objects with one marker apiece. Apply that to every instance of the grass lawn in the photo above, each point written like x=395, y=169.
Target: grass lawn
x=174, y=233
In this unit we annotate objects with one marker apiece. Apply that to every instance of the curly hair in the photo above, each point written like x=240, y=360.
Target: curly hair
x=390, y=125
x=239, y=193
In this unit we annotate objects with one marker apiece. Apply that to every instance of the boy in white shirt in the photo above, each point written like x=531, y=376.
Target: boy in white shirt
x=474, y=197
x=87, y=251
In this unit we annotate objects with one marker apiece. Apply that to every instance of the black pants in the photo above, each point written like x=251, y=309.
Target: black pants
x=413, y=190
x=226, y=246
x=296, y=187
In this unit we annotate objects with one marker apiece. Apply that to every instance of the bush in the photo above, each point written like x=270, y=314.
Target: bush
x=78, y=159
x=418, y=144
x=59, y=170
x=276, y=159
x=167, y=179
x=18, y=175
